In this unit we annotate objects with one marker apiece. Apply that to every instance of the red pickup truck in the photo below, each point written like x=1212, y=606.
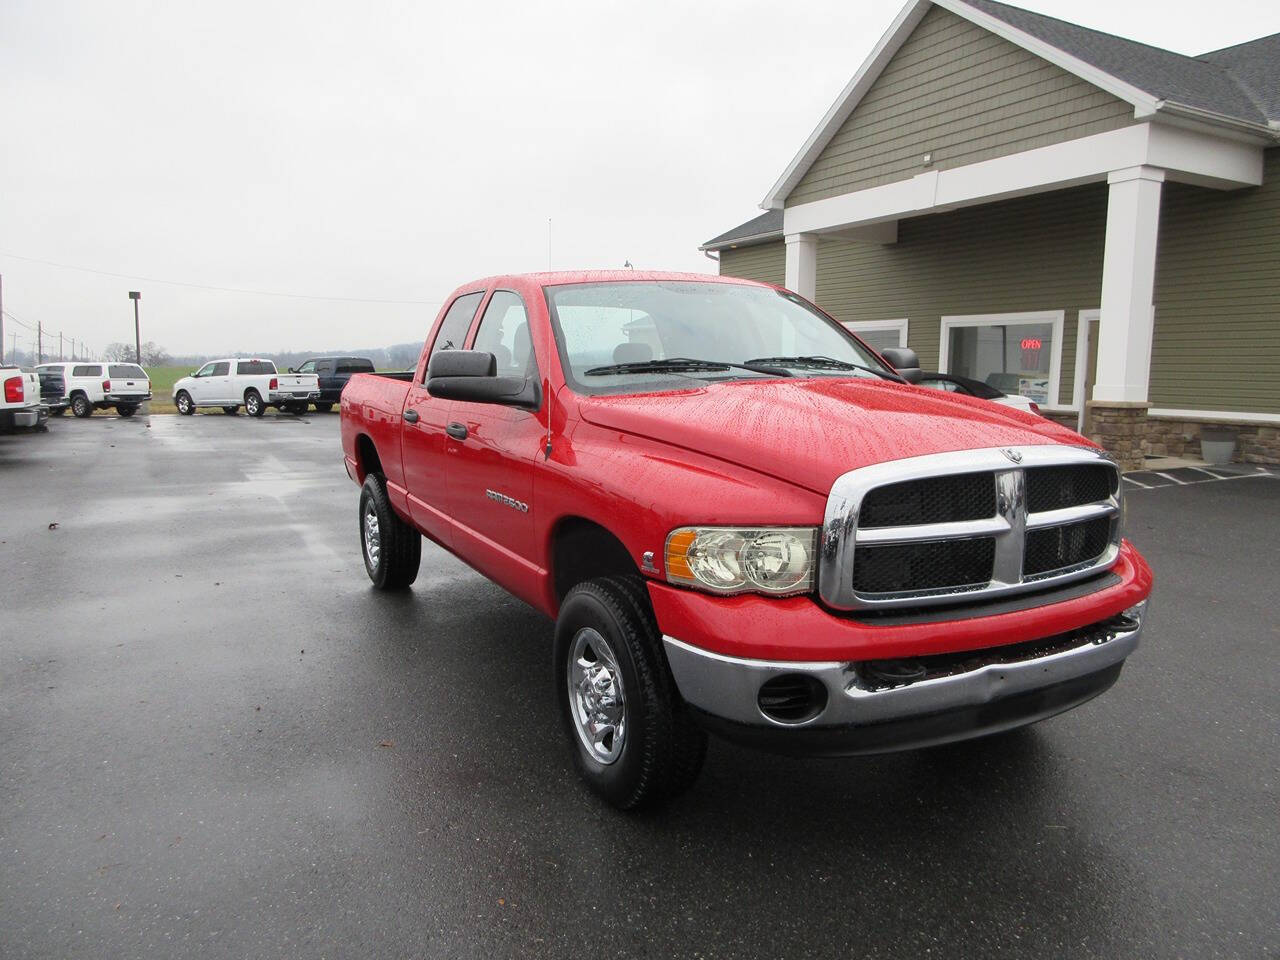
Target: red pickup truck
x=744, y=520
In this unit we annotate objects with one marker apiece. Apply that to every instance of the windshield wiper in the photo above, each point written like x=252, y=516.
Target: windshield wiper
x=679, y=364
x=826, y=363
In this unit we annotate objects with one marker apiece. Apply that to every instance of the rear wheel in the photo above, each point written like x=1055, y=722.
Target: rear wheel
x=323, y=407
x=81, y=406
x=392, y=549
x=126, y=409
x=253, y=404
x=297, y=409
x=632, y=738
x=183, y=402
x=230, y=411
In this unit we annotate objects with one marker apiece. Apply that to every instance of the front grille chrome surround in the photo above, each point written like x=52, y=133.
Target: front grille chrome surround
x=1008, y=526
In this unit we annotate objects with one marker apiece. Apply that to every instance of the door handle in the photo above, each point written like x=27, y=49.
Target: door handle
x=411, y=416
x=457, y=431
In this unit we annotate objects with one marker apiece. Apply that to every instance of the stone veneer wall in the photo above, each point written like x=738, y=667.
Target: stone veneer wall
x=1172, y=437
x=1119, y=428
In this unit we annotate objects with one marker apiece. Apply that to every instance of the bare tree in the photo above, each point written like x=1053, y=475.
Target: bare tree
x=117, y=352
x=154, y=355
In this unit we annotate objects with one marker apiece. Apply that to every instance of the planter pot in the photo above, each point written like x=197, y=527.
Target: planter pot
x=1217, y=446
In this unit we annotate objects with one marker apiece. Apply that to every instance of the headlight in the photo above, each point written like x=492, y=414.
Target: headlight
x=773, y=560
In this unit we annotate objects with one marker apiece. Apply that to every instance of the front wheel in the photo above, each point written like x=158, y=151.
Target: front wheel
x=126, y=409
x=183, y=402
x=253, y=404
x=632, y=738
x=392, y=549
x=81, y=406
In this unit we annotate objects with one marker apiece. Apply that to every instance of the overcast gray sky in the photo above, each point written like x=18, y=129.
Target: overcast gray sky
x=394, y=150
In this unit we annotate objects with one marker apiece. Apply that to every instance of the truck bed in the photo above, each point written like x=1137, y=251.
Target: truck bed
x=372, y=403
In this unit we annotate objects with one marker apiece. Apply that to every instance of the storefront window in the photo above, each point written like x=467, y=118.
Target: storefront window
x=1015, y=358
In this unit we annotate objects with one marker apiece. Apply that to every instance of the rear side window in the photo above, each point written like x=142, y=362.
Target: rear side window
x=222, y=369
x=456, y=323
x=86, y=370
x=355, y=366
x=255, y=367
x=126, y=370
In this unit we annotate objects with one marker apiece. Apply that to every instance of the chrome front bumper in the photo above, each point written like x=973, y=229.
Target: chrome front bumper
x=727, y=689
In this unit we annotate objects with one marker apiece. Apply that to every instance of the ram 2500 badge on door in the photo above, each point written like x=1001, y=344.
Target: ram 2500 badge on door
x=743, y=520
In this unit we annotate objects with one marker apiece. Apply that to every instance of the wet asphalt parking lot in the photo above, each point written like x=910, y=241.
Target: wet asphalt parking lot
x=217, y=741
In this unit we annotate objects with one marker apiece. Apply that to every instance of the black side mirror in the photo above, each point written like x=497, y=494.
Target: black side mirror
x=905, y=361
x=471, y=375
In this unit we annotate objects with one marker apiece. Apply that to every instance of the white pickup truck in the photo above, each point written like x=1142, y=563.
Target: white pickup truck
x=20, y=404
x=243, y=381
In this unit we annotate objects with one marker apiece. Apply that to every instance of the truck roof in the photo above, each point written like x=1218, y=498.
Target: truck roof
x=553, y=278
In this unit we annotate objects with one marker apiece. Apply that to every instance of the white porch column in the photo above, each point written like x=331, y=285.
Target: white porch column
x=1128, y=285
x=802, y=264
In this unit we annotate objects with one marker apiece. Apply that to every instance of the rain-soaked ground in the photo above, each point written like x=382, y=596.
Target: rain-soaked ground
x=216, y=740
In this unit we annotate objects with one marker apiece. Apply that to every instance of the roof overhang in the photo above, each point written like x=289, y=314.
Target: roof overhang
x=1145, y=106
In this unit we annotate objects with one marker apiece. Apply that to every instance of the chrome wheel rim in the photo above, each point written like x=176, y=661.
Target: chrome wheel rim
x=596, y=698
x=251, y=404
x=183, y=403
x=372, y=535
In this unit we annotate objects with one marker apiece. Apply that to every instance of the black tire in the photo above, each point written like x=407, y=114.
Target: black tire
x=297, y=409
x=323, y=407
x=230, y=411
x=662, y=748
x=57, y=411
x=81, y=406
x=399, y=546
x=126, y=410
x=253, y=404
x=183, y=402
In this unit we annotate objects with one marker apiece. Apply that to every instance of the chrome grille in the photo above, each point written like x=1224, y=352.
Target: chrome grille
x=977, y=523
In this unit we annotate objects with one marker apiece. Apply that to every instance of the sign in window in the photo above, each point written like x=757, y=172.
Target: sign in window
x=1015, y=358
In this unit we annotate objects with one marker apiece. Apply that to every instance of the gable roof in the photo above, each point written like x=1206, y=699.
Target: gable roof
x=1238, y=86
x=767, y=226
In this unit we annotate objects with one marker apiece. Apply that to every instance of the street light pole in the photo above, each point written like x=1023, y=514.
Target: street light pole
x=135, y=296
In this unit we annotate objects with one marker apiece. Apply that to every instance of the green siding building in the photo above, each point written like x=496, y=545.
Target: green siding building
x=1080, y=218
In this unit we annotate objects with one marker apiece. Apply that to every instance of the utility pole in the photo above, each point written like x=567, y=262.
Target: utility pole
x=135, y=296
x=60, y=346
x=39, y=342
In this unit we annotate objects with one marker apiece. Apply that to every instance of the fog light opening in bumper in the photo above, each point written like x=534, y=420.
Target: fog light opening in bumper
x=792, y=698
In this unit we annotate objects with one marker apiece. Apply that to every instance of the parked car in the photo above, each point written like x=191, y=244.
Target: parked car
x=53, y=389
x=101, y=386
x=952, y=383
x=20, y=404
x=743, y=521
x=333, y=374
x=252, y=383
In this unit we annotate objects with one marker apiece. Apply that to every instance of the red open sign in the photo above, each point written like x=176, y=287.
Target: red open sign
x=1031, y=343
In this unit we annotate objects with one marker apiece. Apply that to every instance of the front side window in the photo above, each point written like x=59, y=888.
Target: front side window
x=600, y=326
x=85, y=370
x=456, y=323
x=205, y=371
x=308, y=367
x=1014, y=357
x=504, y=332
x=256, y=368
x=221, y=369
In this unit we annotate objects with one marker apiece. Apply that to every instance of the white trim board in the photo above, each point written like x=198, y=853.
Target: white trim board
x=857, y=326
x=1056, y=318
x=1183, y=155
x=1083, y=319
x=1225, y=416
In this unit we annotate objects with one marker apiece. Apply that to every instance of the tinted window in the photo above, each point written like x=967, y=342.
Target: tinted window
x=126, y=370
x=85, y=370
x=454, y=326
x=255, y=367
x=222, y=369
x=309, y=367
x=355, y=366
x=504, y=332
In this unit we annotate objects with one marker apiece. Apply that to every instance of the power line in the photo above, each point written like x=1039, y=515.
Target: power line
x=205, y=286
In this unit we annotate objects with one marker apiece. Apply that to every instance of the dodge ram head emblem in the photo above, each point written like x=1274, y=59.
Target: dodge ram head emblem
x=1013, y=455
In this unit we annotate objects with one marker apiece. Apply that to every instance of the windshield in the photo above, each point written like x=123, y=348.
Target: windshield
x=613, y=337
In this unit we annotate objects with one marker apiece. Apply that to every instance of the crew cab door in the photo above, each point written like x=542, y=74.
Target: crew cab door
x=422, y=431
x=492, y=455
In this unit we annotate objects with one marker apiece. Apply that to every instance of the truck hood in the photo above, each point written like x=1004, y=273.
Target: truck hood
x=808, y=431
